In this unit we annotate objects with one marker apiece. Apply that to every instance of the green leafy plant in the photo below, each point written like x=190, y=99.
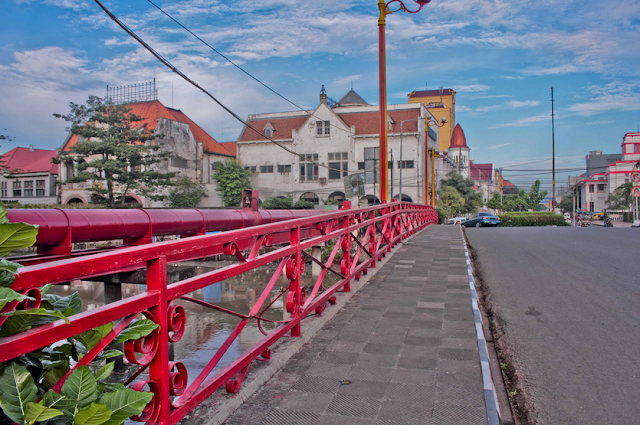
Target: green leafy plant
x=529, y=219
x=185, y=194
x=232, y=178
x=85, y=398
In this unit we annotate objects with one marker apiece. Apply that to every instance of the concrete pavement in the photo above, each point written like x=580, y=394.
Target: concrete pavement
x=404, y=350
x=568, y=302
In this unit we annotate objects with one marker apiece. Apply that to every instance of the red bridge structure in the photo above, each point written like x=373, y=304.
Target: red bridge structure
x=362, y=237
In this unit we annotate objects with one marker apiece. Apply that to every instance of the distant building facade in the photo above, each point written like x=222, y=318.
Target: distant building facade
x=333, y=141
x=29, y=176
x=192, y=153
x=594, y=188
x=440, y=103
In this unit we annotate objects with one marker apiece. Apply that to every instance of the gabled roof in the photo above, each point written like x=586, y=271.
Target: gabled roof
x=458, y=139
x=366, y=123
x=507, y=183
x=23, y=160
x=154, y=110
x=352, y=99
x=428, y=93
x=481, y=171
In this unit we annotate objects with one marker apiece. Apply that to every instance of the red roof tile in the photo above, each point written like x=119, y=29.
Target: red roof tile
x=152, y=111
x=283, y=128
x=25, y=161
x=481, y=171
x=507, y=183
x=365, y=123
x=231, y=147
x=458, y=139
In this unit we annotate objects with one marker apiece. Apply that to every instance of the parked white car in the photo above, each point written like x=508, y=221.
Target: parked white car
x=457, y=220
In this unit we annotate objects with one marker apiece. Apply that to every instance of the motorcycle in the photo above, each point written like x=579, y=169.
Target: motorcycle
x=608, y=222
x=584, y=223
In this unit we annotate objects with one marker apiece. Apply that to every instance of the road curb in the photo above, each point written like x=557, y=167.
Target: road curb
x=223, y=407
x=490, y=396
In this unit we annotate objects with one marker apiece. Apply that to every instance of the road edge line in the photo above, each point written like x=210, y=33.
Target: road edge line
x=490, y=395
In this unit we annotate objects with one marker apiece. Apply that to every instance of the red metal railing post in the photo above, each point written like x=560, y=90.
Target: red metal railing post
x=372, y=241
x=295, y=283
x=159, y=367
x=347, y=254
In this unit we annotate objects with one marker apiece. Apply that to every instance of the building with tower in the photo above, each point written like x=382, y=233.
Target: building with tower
x=440, y=103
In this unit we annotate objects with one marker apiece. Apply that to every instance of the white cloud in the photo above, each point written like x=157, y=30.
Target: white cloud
x=499, y=146
x=471, y=88
x=347, y=80
x=613, y=96
x=512, y=104
x=65, y=4
x=556, y=70
x=522, y=122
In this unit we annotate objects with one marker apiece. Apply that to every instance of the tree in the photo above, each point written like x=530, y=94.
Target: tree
x=464, y=187
x=232, y=179
x=535, y=196
x=185, y=194
x=511, y=202
x=620, y=199
x=277, y=203
x=450, y=201
x=495, y=202
x=110, y=149
x=566, y=203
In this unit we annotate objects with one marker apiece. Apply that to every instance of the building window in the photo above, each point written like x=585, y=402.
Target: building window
x=39, y=192
x=390, y=165
x=340, y=167
x=284, y=168
x=137, y=167
x=361, y=166
x=590, y=188
x=216, y=165
x=28, y=193
x=323, y=128
x=17, y=193
x=251, y=168
x=266, y=168
x=371, y=162
x=405, y=164
x=39, y=183
x=309, y=167
x=591, y=206
x=17, y=184
x=28, y=184
x=71, y=171
x=601, y=188
x=636, y=148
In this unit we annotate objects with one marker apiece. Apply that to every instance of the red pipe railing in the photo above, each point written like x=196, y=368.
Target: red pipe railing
x=372, y=232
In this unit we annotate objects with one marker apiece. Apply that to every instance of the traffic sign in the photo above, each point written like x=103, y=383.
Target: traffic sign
x=635, y=176
x=635, y=191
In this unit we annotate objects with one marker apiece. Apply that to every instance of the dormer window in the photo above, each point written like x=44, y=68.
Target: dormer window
x=268, y=130
x=389, y=123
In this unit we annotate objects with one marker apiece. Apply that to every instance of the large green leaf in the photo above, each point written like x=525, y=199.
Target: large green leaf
x=107, y=354
x=36, y=412
x=80, y=388
x=16, y=236
x=95, y=414
x=92, y=337
x=16, y=390
x=22, y=320
x=8, y=270
x=125, y=403
x=136, y=330
x=57, y=401
x=8, y=295
x=62, y=304
x=105, y=371
x=52, y=375
x=3, y=214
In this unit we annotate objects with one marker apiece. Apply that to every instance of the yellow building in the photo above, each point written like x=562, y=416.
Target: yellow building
x=441, y=103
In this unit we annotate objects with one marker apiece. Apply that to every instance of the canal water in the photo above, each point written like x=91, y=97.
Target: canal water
x=207, y=329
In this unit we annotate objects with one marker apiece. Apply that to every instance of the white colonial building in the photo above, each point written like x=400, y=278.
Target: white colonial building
x=320, y=147
x=605, y=179
x=28, y=176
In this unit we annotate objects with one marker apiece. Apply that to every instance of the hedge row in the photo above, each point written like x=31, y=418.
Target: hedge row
x=531, y=219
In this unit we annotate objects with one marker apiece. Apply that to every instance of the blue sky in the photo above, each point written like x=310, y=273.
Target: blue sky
x=502, y=57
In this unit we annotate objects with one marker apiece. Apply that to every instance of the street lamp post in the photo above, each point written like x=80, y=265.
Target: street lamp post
x=384, y=10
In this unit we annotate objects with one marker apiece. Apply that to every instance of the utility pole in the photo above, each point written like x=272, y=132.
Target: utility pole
x=553, y=155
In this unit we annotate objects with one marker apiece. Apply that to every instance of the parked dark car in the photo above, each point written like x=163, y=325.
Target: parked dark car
x=481, y=220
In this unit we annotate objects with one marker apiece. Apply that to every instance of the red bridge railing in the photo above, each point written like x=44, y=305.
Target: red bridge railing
x=371, y=232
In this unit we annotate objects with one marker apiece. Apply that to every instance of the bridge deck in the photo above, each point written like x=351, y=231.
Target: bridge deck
x=404, y=350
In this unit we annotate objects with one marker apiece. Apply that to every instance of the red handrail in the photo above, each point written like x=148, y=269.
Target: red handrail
x=372, y=231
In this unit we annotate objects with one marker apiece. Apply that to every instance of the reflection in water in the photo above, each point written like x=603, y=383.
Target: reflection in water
x=207, y=329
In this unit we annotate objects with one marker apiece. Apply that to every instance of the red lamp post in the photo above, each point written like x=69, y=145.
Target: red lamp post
x=384, y=10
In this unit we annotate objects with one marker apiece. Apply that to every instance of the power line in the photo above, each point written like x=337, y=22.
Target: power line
x=193, y=83
x=236, y=65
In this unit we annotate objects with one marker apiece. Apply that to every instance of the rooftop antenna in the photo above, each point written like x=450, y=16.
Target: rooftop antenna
x=351, y=84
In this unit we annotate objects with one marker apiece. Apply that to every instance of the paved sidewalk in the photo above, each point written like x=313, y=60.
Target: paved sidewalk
x=404, y=350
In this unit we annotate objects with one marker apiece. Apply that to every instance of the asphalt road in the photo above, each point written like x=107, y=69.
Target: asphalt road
x=570, y=299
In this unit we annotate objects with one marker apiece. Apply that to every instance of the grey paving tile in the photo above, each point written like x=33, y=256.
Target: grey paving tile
x=377, y=360
x=305, y=402
x=364, y=389
x=381, y=349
